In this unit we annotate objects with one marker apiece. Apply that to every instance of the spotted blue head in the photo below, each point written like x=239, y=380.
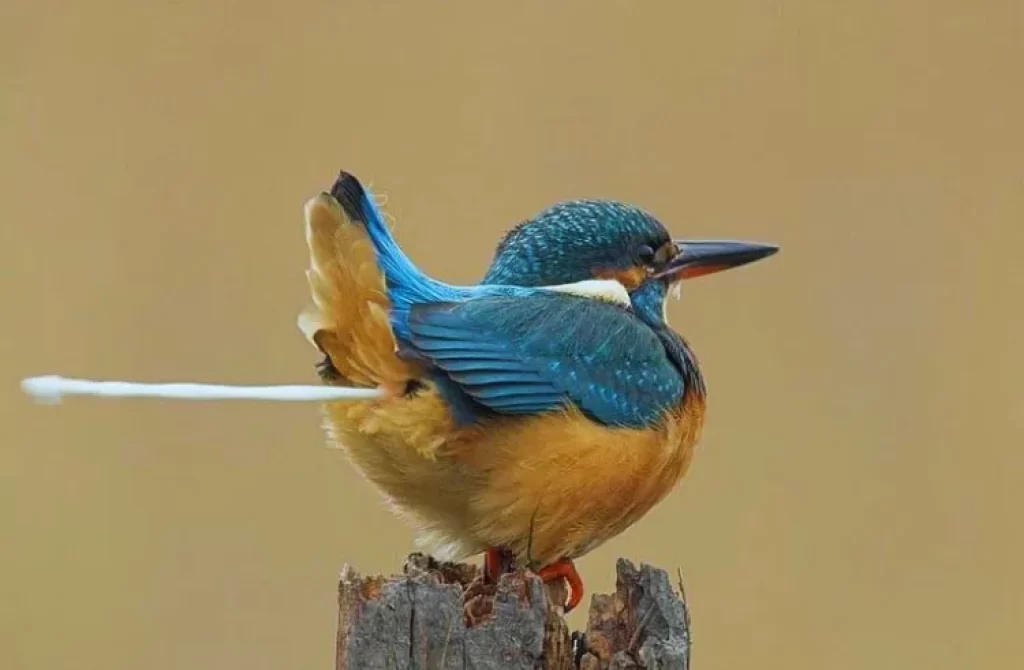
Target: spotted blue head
x=579, y=240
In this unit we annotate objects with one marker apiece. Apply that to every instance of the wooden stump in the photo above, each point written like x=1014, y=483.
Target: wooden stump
x=443, y=616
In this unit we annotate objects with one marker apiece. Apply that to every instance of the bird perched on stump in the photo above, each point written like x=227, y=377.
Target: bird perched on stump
x=530, y=417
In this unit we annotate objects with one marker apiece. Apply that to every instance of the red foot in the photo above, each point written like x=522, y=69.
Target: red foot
x=497, y=561
x=565, y=569
x=492, y=564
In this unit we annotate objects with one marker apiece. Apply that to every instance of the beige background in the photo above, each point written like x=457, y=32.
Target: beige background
x=857, y=500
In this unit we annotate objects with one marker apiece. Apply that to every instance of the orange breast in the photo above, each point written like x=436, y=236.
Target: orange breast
x=544, y=486
x=561, y=485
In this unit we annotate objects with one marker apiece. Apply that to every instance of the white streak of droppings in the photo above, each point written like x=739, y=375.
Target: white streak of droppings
x=51, y=389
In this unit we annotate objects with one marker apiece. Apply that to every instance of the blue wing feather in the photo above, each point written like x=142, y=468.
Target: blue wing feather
x=530, y=354
x=470, y=365
x=492, y=378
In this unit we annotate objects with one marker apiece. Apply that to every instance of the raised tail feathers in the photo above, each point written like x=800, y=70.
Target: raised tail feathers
x=406, y=283
x=349, y=320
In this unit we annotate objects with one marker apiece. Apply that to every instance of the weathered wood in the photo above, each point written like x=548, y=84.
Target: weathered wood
x=443, y=616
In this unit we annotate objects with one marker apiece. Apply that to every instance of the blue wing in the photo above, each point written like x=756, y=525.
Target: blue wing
x=526, y=355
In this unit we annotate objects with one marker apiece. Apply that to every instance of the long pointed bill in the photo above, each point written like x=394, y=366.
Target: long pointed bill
x=697, y=258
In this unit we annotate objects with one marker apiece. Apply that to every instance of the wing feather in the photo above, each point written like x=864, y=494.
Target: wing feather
x=528, y=354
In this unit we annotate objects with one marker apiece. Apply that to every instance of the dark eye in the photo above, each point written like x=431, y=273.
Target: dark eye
x=646, y=253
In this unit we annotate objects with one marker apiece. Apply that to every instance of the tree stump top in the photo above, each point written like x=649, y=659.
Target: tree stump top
x=443, y=616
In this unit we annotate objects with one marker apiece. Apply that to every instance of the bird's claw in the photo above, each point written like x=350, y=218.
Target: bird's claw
x=498, y=561
x=478, y=600
x=565, y=569
x=477, y=608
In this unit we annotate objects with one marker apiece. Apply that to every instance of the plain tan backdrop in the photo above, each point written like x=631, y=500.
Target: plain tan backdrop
x=857, y=499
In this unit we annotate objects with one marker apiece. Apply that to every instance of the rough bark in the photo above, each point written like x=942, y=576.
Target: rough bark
x=443, y=616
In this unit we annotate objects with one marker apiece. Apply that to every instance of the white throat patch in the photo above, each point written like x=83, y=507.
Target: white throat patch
x=608, y=290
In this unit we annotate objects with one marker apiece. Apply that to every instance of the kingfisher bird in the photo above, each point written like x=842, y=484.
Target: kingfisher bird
x=530, y=417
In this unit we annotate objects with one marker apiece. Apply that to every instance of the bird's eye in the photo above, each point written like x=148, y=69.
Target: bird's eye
x=646, y=253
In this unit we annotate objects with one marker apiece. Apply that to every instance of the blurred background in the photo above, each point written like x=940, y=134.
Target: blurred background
x=856, y=501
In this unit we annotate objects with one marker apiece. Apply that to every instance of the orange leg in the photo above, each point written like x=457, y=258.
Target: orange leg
x=497, y=561
x=565, y=569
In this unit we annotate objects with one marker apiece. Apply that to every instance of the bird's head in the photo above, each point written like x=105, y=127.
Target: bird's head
x=604, y=239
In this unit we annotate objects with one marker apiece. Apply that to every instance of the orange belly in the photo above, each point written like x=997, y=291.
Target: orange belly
x=545, y=487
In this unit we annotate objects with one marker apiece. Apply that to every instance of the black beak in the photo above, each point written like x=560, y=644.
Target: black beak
x=697, y=258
